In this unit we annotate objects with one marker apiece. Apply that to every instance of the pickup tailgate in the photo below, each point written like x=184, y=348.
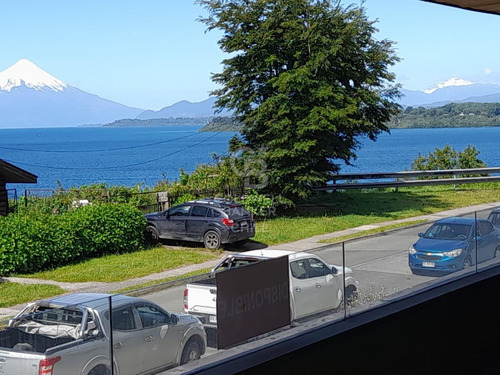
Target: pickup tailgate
x=201, y=299
x=19, y=362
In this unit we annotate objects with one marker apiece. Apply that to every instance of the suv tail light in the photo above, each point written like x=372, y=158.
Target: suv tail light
x=46, y=366
x=186, y=299
x=228, y=222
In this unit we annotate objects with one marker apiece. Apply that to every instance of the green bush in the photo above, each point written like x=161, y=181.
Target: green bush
x=31, y=243
x=448, y=158
x=257, y=204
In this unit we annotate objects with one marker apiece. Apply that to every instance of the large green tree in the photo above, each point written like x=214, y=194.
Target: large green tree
x=306, y=79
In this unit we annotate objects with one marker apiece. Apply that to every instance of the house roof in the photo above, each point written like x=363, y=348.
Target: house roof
x=485, y=6
x=11, y=174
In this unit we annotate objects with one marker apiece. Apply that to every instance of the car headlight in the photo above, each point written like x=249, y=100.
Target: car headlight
x=453, y=253
x=412, y=250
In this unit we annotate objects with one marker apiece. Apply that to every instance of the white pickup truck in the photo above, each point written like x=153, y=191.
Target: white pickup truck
x=315, y=286
x=70, y=335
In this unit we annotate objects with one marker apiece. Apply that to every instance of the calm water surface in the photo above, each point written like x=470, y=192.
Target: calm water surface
x=128, y=156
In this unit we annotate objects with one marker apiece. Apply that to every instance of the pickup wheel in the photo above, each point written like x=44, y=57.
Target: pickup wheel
x=152, y=235
x=190, y=353
x=211, y=240
x=100, y=370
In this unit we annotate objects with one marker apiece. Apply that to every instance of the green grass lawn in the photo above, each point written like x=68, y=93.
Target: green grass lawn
x=339, y=211
x=119, y=267
x=13, y=293
x=326, y=213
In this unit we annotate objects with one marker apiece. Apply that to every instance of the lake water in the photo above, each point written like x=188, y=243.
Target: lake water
x=128, y=156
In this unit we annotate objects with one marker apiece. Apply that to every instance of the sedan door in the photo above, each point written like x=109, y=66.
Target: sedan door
x=487, y=241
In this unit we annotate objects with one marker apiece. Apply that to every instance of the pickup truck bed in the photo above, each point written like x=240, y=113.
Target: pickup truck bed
x=16, y=338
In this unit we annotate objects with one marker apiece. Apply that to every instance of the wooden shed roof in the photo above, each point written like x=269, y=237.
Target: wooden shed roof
x=485, y=6
x=11, y=174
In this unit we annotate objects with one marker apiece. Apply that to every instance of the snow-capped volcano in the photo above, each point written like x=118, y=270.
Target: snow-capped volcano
x=27, y=73
x=31, y=97
x=451, y=82
x=453, y=90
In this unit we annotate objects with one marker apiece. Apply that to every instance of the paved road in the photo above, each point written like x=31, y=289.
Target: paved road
x=380, y=264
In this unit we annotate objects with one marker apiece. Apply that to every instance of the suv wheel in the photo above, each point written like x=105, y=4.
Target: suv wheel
x=211, y=240
x=152, y=235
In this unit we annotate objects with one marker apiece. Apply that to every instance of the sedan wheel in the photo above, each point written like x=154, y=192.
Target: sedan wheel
x=211, y=240
x=496, y=254
x=467, y=263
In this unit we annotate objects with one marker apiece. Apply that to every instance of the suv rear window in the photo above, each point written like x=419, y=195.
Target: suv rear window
x=236, y=212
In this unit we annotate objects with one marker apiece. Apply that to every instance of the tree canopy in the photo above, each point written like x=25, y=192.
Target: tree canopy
x=306, y=79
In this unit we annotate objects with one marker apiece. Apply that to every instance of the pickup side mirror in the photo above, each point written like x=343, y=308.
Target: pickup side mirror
x=335, y=270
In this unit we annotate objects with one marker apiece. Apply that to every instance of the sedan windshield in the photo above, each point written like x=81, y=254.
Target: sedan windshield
x=444, y=231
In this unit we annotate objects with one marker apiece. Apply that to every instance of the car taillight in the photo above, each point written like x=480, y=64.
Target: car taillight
x=46, y=366
x=185, y=299
x=228, y=222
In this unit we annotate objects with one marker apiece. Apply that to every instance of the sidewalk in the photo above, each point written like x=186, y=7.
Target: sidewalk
x=306, y=244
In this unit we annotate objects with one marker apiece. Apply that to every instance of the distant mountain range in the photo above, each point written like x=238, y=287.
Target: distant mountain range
x=31, y=97
x=452, y=92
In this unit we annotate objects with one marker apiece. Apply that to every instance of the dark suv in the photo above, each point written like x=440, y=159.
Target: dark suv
x=211, y=221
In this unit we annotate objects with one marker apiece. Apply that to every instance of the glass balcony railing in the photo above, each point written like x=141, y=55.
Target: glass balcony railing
x=149, y=330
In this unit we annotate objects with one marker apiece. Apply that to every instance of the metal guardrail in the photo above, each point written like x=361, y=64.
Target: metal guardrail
x=407, y=178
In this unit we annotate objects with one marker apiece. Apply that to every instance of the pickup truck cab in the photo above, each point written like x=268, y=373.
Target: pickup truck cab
x=71, y=335
x=315, y=285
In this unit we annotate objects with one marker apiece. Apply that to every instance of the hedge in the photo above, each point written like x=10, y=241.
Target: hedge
x=32, y=243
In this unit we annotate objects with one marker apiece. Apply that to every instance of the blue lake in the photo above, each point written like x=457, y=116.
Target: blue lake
x=128, y=156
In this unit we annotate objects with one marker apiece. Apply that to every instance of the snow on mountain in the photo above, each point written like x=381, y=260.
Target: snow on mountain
x=453, y=90
x=27, y=73
x=31, y=97
x=451, y=82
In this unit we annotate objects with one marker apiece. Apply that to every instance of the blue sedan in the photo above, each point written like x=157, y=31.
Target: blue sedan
x=450, y=245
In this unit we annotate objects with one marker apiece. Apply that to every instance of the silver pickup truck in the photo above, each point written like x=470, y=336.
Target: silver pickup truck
x=315, y=285
x=70, y=335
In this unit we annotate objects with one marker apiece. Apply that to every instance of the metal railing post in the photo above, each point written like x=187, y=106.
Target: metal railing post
x=343, y=280
x=111, y=344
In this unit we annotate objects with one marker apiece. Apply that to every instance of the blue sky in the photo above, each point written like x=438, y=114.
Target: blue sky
x=153, y=53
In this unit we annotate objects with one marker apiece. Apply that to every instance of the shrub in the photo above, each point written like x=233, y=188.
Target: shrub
x=31, y=243
x=448, y=158
x=257, y=204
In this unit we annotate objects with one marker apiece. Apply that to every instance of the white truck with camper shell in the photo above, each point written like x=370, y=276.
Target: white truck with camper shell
x=315, y=286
